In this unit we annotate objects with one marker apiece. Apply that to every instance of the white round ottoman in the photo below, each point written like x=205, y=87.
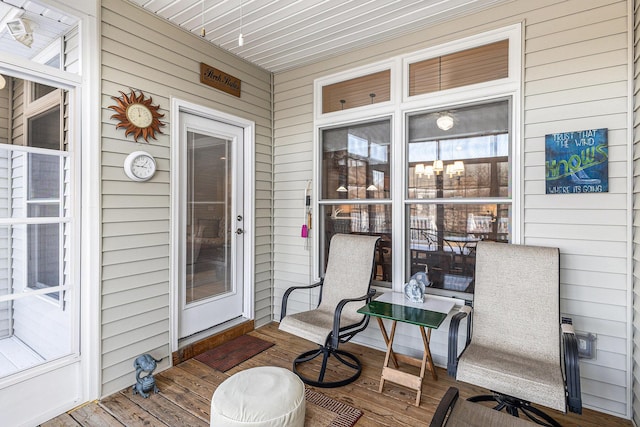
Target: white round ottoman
x=266, y=396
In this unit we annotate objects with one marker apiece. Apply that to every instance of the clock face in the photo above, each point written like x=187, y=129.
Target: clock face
x=139, y=115
x=140, y=166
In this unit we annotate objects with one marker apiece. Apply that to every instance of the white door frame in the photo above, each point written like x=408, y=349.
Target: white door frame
x=177, y=106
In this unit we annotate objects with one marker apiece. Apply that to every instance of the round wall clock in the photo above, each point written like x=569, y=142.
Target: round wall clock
x=140, y=166
x=137, y=115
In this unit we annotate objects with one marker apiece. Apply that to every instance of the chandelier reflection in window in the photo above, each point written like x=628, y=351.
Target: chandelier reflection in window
x=453, y=169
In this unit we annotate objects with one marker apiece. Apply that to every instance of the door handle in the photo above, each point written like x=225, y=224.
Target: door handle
x=239, y=231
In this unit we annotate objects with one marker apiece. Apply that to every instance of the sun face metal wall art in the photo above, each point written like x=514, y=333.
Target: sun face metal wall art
x=137, y=115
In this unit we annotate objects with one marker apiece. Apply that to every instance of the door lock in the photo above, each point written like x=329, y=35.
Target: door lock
x=239, y=231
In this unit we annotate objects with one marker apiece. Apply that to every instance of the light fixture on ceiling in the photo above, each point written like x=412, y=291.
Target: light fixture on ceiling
x=372, y=188
x=3, y=82
x=240, y=37
x=445, y=121
x=21, y=31
x=342, y=189
x=203, y=32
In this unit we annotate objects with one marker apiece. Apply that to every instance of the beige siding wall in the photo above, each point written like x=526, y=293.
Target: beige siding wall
x=144, y=52
x=575, y=72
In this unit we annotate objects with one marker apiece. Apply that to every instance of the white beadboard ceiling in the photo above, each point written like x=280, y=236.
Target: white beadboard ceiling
x=285, y=34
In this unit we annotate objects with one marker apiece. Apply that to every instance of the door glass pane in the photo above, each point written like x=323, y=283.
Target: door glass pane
x=209, y=189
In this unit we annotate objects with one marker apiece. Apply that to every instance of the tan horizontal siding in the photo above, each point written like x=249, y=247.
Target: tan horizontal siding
x=144, y=52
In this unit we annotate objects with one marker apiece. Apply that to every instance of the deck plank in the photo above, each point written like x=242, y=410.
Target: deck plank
x=127, y=412
x=93, y=415
x=186, y=390
x=64, y=420
x=185, y=399
x=168, y=412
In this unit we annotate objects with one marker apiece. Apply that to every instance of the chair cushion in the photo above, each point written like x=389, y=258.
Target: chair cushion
x=348, y=273
x=265, y=396
x=316, y=325
x=468, y=414
x=516, y=305
x=532, y=380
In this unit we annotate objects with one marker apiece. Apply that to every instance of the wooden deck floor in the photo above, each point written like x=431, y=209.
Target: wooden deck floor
x=186, y=390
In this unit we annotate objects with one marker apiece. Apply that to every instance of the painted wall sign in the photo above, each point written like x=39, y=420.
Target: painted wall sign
x=219, y=80
x=577, y=162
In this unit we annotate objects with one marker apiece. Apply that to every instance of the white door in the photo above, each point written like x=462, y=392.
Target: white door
x=211, y=223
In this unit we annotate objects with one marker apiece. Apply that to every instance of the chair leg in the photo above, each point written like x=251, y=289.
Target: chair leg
x=512, y=405
x=347, y=359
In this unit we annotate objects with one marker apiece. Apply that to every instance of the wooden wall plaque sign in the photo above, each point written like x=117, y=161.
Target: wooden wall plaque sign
x=219, y=80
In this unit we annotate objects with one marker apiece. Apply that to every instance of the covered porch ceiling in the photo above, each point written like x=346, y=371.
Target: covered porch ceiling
x=278, y=34
x=284, y=34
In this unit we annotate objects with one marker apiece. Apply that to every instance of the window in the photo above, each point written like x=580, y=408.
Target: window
x=432, y=171
x=356, y=184
x=470, y=66
x=458, y=191
x=45, y=172
x=357, y=92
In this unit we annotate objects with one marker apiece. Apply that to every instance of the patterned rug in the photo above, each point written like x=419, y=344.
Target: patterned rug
x=323, y=411
x=234, y=352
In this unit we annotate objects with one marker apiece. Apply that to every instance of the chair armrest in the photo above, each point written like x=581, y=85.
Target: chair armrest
x=335, y=335
x=452, y=357
x=446, y=404
x=571, y=366
x=285, y=297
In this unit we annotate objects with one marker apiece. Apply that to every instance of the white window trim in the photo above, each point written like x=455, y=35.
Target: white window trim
x=401, y=104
